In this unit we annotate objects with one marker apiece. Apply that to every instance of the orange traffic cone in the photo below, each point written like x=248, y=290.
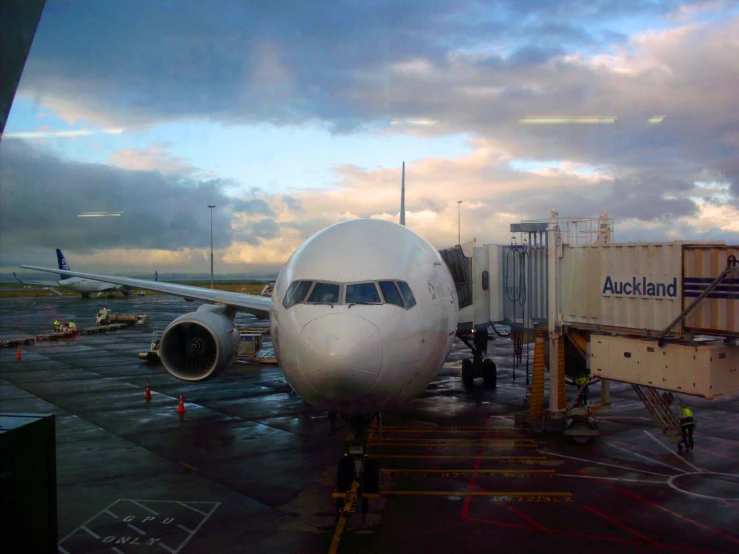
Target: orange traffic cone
x=181, y=408
x=18, y=354
x=148, y=392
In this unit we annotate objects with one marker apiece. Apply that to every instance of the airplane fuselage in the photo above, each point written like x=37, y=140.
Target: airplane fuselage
x=354, y=358
x=86, y=286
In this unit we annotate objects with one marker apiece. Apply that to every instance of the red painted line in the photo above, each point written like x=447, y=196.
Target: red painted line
x=518, y=525
x=621, y=525
x=536, y=524
x=605, y=420
x=473, y=482
x=717, y=454
x=649, y=502
x=587, y=536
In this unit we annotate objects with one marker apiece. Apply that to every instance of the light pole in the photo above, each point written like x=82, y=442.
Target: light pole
x=459, y=222
x=211, y=246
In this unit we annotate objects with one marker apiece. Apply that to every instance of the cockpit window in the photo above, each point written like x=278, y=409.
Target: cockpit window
x=407, y=294
x=391, y=293
x=296, y=293
x=362, y=293
x=324, y=293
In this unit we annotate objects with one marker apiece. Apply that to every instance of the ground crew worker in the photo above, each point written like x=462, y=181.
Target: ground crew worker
x=57, y=324
x=72, y=326
x=687, y=425
x=584, y=393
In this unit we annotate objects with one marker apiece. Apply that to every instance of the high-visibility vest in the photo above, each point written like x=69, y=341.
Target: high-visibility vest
x=580, y=380
x=72, y=325
x=685, y=412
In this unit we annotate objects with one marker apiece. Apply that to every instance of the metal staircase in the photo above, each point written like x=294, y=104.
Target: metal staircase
x=661, y=412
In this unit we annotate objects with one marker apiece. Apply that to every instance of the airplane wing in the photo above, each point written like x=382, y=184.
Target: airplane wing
x=37, y=283
x=249, y=303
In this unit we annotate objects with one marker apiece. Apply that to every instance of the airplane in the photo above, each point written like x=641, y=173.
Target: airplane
x=84, y=286
x=363, y=316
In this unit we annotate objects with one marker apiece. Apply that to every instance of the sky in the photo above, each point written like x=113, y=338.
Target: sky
x=290, y=116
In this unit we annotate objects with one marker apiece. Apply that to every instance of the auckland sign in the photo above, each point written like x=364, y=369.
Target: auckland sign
x=637, y=286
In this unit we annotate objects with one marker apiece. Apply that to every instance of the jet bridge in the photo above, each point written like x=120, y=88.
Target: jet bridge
x=661, y=315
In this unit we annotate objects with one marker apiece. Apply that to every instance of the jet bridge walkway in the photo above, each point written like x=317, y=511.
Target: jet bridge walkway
x=659, y=316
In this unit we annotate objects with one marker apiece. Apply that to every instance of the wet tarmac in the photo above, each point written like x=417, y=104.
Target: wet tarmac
x=250, y=468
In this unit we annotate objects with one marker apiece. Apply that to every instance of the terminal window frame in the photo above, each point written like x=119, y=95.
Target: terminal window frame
x=358, y=283
x=315, y=285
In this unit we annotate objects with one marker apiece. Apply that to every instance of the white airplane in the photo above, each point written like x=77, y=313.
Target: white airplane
x=84, y=286
x=363, y=315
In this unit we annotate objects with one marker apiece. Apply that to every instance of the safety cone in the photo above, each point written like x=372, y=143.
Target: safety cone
x=181, y=408
x=148, y=392
x=18, y=354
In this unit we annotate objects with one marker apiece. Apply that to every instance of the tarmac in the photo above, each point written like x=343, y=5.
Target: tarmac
x=250, y=467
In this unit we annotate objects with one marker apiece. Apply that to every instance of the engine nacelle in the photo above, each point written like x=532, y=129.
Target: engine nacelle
x=199, y=345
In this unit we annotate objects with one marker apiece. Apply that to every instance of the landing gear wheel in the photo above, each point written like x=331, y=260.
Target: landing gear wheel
x=581, y=439
x=370, y=481
x=344, y=479
x=489, y=374
x=468, y=374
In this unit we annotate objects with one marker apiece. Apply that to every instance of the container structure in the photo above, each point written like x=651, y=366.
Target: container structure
x=710, y=370
x=718, y=313
x=629, y=287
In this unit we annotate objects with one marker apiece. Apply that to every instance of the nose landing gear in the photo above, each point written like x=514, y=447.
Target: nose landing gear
x=357, y=476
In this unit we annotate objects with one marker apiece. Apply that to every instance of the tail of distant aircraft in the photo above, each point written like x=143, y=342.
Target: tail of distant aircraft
x=62, y=264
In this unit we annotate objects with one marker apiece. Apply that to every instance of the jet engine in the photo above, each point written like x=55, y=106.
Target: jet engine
x=199, y=345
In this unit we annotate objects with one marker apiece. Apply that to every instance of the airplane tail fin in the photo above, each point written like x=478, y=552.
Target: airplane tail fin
x=62, y=264
x=402, y=197
x=18, y=279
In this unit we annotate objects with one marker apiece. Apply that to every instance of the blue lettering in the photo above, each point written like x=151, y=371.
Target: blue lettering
x=608, y=286
x=661, y=286
x=650, y=289
x=672, y=289
x=618, y=287
x=637, y=287
x=627, y=292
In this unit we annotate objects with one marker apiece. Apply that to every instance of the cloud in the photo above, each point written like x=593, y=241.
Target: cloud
x=153, y=158
x=292, y=204
x=42, y=195
x=476, y=68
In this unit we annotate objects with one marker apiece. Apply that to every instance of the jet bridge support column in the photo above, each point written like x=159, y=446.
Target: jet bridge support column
x=555, y=336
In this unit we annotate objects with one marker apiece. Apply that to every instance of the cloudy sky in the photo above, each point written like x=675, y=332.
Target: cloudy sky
x=293, y=115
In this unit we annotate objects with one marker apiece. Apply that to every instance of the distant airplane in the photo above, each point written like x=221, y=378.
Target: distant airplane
x=84, y=286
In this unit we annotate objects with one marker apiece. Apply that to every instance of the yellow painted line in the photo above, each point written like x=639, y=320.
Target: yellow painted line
x=452, y=444
x=344, y=516
x=448, y=457
x=451, y=440
x=463, y=429
x=477, y=493
x=399, y=470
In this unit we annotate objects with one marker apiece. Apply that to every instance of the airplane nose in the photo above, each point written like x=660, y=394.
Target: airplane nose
x=340, y=355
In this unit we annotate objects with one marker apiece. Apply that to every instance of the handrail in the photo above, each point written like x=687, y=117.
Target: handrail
x=732, y=266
